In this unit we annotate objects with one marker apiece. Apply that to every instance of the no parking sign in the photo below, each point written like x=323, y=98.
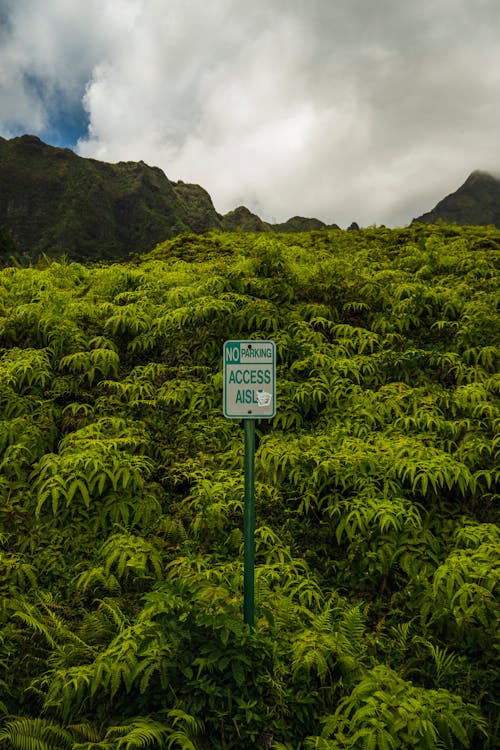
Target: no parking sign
x=249, y=379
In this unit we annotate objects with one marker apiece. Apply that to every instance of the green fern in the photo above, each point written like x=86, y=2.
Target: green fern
x=137, y=733
x=24, y=733
x=402, y=714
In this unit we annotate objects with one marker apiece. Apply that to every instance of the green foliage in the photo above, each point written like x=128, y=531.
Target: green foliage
x=376, y=542
x=33, y=734
x=142, y=732
x=384, y=711
x=464, y=588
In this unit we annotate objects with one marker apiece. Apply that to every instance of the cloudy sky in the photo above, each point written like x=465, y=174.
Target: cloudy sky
x=366, y=110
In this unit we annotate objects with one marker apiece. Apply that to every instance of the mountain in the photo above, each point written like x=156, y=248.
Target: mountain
x=241, y=219
x=55, y=202
x=476, y=202
x=302, y=224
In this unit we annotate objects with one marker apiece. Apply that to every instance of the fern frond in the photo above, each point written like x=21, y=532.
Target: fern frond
x=23, y=733
x=141, y=732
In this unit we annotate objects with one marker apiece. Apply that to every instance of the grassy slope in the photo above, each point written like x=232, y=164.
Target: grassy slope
x=377, y=536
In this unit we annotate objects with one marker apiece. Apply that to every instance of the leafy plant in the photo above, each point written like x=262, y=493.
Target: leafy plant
x=376, y=540
x=385, y=711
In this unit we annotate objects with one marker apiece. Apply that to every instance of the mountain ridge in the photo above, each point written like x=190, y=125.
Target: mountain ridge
x=55, y=202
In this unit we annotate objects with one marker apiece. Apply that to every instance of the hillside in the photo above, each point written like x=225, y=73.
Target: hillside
x=377, y=487
x=476, y=202
x=57, y=203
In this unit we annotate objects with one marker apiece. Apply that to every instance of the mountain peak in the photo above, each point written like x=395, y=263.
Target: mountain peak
x=55, y=202
x=476, y=202
x=479, y=175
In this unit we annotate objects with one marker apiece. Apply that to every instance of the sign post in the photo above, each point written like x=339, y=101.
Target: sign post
x=249, y=524
x=249, y=394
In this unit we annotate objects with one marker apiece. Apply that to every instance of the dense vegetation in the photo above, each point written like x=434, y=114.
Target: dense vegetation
x=377, y=540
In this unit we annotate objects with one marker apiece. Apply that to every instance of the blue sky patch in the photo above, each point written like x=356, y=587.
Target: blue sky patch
x=67, y=119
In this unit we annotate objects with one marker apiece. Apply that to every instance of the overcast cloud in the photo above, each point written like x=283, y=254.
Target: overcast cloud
x=339, y=109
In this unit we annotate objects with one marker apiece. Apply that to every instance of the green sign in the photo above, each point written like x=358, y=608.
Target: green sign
x=249, y=379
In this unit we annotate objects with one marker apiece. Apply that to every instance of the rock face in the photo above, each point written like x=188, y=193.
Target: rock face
x=476, y=202
x=55, y=202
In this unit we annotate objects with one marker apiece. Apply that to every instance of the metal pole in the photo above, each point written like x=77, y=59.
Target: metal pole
x=249, y=524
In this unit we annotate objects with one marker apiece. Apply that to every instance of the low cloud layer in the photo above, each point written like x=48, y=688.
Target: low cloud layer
x=352, y=110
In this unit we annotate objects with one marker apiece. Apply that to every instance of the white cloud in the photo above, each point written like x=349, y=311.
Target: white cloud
x=352, y=110
x=47, y=51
